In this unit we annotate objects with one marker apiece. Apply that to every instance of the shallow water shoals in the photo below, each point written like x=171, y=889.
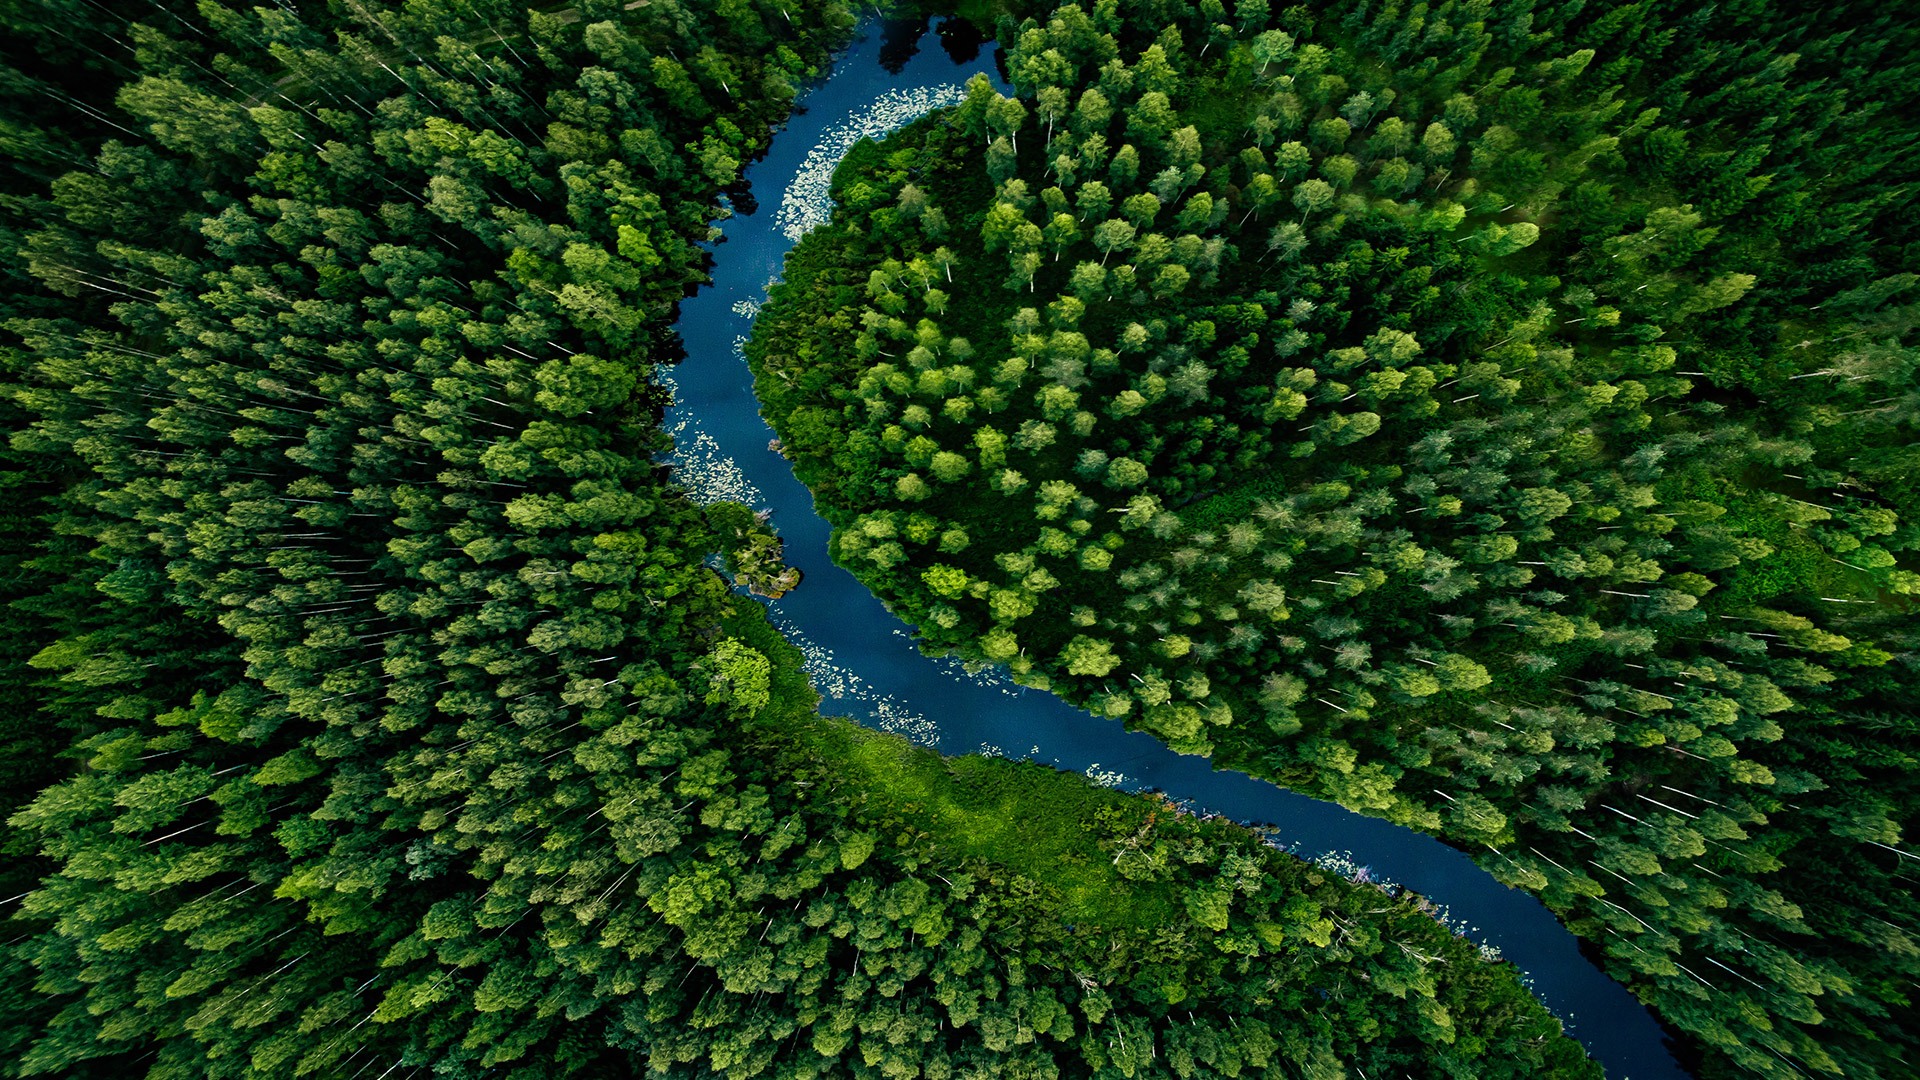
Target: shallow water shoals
x=863, y=660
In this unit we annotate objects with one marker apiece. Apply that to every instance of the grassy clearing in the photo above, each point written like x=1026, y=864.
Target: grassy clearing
x=1031, y=819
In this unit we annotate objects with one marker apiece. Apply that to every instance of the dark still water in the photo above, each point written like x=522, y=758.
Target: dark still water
x=864, y=660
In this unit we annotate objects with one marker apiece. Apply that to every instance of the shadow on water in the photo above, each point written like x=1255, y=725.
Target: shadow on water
x=961, y=39
x=900, y=42
x=864, y=661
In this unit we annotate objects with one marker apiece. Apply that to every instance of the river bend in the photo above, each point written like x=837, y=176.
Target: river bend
x=863, y=661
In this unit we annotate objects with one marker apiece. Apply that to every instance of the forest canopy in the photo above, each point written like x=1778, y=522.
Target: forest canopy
x=1497, y=417
x=374, y=706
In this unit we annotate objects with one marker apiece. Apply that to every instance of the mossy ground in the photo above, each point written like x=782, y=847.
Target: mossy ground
x=1035, y=821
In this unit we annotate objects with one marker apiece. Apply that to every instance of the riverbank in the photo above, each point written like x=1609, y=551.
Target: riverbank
x=1185, y=908
x=866, y=664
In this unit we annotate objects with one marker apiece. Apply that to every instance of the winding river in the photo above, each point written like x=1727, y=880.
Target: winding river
x=864, y=662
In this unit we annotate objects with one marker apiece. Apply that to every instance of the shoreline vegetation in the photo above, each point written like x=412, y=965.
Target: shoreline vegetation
x=375, y=708
x=1118, y=870
x=1499, y=419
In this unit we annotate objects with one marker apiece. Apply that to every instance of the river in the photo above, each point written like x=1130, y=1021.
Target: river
x=864, y=662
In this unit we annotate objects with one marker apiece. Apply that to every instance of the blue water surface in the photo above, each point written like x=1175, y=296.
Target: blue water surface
x=865, y=662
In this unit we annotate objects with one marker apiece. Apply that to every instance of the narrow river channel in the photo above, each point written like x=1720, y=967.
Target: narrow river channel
x=865, y=663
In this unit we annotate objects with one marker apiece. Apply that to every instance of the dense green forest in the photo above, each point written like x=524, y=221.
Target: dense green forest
x=372, y=707
x=1496, y=416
